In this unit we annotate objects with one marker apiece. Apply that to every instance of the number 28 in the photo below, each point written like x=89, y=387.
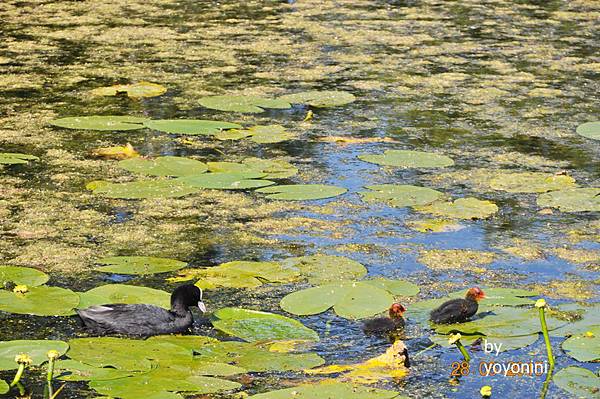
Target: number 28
x=459, y=368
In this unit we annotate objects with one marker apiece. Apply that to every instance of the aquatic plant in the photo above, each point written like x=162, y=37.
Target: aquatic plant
x=23, y=360
x=455, y=340
x=541, y=305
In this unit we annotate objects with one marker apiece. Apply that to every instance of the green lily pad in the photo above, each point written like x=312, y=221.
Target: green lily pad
x=329, y=390
x=408, y=159
x=164, y=166
x=145, y=189
x=22, y=275
x=233, y=134
x=244, y=274
x=351, y=300
x=249, y=104
x=578, y=381
x=591, y=130
x=40, y=301
x=531, y=182
x=123, y=293
x=572, y=200
x=227, y=181
x=190, y=126
x=100, y=122
x=395, y=287
x=13, y=158
x=271, y=168
x=139, y=265
x=133, y=90
x=190, y=342
x=36, y=349
x=584, y=347
x=322, y=269
x=320, y=99
x=399, y=195
x=72, y=370
x=258, y=359
x=302, y=192
x=589, y=319
x=462, y=208
x=4, y=387
x=269, y=134
x=252, y=325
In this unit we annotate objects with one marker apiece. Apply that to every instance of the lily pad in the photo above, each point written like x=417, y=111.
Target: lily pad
x=584, y=347
x=589, y=319
x=164, y=166
x=244, y=274
x=190, y=342
x=400, y=195
x=123, y=293
x=408, y=159
x=272, y=168
x=14, y=158
x=145, y=189
x=269, y=134
x=72, y=370
x=395, y=287
x=320, y=99
x=435, y=225
x=226, y=181
x=302, y=192
x=531, y=182
x=351, y=300
x=591, y=130
x=249, y=104
x=133, y=90
x=139, y=265
x=578, y=381
x=329, y=390
x=190, y=126
x=4, y=387
x=36, y=349
x=22, y=275
x=252, y=325
x=100, y=122
x=572, y=200
x=322, y=269
x=40, y=301
x=462, y=208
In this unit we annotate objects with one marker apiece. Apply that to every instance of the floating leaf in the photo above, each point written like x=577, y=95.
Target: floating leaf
x=395, y=287
x=190, y=126
x=273, y=168
x=329, y=390
x=252, y=325
x=36, y=349
x=13, y=158
x=399, y=195
x=40, y=301
x=134, y=90
x=588, y=319
x=164, y=166
x=320, y=99
x=232, y=134
x=123, y=293
x=269, y=134
x=190, y=342
x=256, y=358
x=117, y=152
x=572, y=200
x=4, y=387
x=100, y=122
x=22, y=275
x=578, y=381
x=462, y=208
x=302, y=192
x=72, y=370
x=244, y=274
x=435, y=225
x=250, y=104
x=143, y=189
x=226, y=181
x=408, y=159
x=591, y=130
x=321, y=269
x=531, y=182
x=139, y=265
x=584, y=347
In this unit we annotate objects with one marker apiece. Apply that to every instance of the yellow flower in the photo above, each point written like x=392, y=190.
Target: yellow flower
x=540, y=303
x=20, y=289
x=52, y=354
x=453, y=338
x=23, y=358
x=486, y=391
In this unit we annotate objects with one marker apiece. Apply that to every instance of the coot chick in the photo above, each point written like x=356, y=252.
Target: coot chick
x=386, y=325
x=458, y=310
x=145, y=320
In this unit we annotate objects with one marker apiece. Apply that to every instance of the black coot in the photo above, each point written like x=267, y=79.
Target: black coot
x=386, y=325
x=145, y=320
x=458, y=310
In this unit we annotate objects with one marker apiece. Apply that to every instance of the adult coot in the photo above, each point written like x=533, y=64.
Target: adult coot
x=458, y=310
x=145, y=320
x=386, y=325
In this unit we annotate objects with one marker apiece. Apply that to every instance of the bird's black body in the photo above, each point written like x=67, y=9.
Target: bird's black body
x=454, y=311
x=383, y=325
x=144, y=320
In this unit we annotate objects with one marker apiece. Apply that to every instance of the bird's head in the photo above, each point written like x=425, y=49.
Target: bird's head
x=397, y=310
x=475, y=293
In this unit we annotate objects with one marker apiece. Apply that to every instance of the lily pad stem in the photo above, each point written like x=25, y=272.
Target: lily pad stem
x=463, y=350
x=541, y=305
x=18, y=375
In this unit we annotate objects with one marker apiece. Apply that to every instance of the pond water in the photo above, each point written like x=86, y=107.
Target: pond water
x=499, y=87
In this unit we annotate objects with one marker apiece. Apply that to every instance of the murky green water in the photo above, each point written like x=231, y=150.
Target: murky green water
x=495, y=85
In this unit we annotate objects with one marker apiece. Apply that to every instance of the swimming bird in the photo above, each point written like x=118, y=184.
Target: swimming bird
x=458, y=310
x=386, y=325
x=145, y=320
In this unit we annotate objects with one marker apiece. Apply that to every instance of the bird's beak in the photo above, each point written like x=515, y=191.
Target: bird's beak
x=202, y=307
